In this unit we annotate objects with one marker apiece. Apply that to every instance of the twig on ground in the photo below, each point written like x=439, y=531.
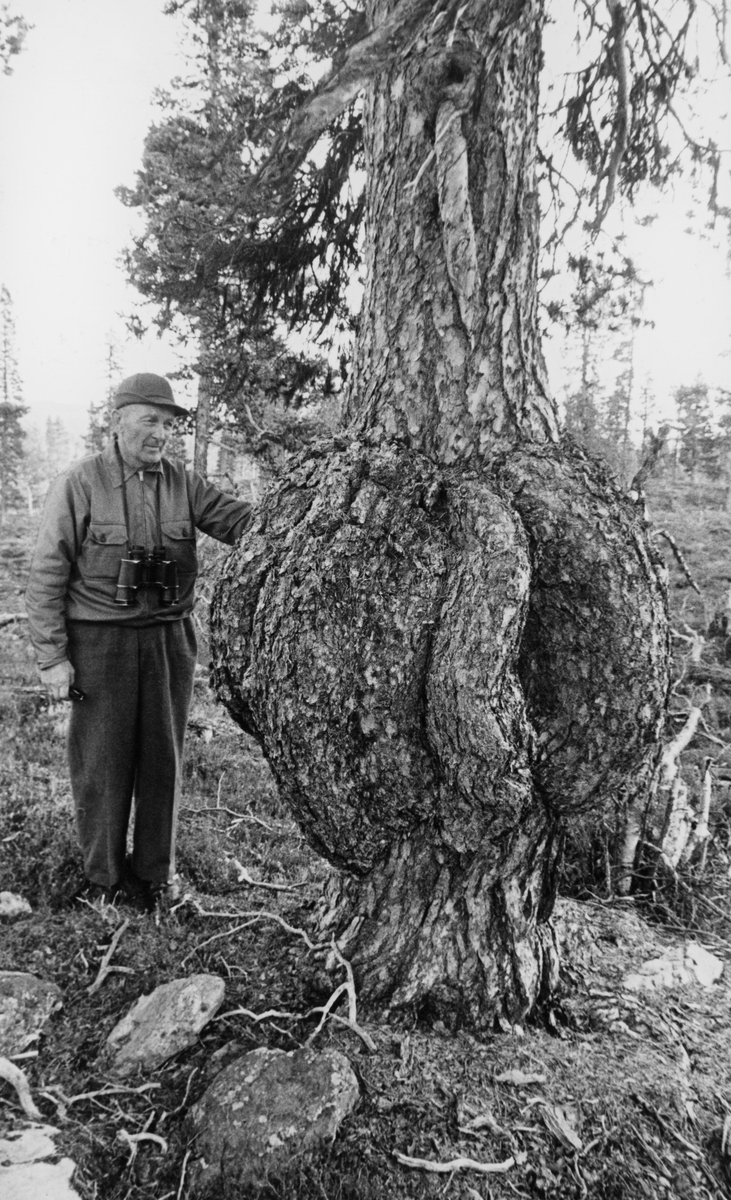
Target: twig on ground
x=366, y=1038
x=182, y=1174
x=350, y=981
x=14, y=1076
x=105, y=969
x=454, y=1164
x=133, y=1141
x=251, y=919
x=108, y=1090
x=325, y=1009
x=245, y=877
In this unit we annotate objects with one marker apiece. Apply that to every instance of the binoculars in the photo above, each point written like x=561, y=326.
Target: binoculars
x=141, y=569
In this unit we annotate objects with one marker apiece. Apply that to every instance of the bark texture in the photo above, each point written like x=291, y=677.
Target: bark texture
x=441, y=665
x=447, y=629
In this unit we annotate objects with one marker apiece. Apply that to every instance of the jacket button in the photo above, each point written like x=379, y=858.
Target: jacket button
x=102, y=537
x=185, y=531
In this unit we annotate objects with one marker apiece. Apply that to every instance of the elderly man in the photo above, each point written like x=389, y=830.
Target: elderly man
x=109, y=601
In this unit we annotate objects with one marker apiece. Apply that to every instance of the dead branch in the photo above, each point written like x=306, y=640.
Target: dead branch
x=365, y=59
x=700, y=832
x=105, y=969
x=133, y=1141
x=325, y=1009
x=245, y=877
x=454, y=1164
x=673, y=750
x=678, y=879
x=649, y=462
x=622, y=115
x=14, y=1076
x=358, y=1030
x=109, y=1090
x=663, y=533
x=182, y=1173
x=251, y=919
x=345, y=988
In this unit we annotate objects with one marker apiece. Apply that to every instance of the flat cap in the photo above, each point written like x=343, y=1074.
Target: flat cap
x=146, y=388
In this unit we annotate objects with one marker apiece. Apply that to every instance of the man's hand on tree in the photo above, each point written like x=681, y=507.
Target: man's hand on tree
x=58, y=679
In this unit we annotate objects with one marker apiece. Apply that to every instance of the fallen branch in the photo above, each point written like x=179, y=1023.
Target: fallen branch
x=105, y=969
x=454, y=1164
x=182, y=1173
x=245, y=877
x=673, y=750
x=366, y=1038
x=14, y=1076
x=350, y=981
x=133, y=1141
x=252, y=918
x=109, y=1090
x=345, y=988
x=663, y=533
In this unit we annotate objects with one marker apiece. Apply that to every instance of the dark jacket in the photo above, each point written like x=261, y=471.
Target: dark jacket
x=83, y=535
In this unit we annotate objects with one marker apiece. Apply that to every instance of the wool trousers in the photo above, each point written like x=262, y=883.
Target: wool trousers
x=126, y=741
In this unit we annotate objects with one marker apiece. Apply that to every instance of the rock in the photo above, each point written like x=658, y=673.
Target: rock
x=267, y=1107
x=38, y=1181
x=28, y=1177
x=706, y=967
x=164, y=1023
x=12, y=906
x=27, y=1145
x=677, y=967
x=26, y=1003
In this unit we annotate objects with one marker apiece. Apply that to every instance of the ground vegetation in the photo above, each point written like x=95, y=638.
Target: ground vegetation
x=617, y=1095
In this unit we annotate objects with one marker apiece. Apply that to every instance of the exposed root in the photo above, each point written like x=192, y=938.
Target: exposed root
x=454, y=1164
x=13, y=1075
x=105, y=968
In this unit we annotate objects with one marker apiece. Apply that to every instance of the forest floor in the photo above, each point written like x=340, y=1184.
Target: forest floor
x=623, y=1096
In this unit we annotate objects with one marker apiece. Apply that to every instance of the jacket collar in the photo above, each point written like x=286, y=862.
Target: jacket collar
x=112, y=461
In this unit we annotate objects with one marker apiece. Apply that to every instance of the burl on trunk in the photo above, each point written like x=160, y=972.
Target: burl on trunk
x=447, y=629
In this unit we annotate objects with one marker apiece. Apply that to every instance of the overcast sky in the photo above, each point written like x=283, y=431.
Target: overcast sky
x=73, y=117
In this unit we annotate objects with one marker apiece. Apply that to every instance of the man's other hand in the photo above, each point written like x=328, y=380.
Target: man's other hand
x=58, y=679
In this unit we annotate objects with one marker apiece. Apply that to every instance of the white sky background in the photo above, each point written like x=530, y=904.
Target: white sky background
x=73, y=117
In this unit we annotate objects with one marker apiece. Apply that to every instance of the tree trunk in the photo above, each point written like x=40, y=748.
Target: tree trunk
x=447, y=629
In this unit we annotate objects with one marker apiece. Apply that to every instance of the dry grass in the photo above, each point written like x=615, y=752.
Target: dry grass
x=644, y=1084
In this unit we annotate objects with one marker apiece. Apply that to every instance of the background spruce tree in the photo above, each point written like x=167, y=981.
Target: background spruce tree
x=197, y=162
x=100, y=412
x=13, y=31
x=12, y=411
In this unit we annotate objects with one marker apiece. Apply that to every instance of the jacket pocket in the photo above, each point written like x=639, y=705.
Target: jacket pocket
x=102, y=551
x=179, y=540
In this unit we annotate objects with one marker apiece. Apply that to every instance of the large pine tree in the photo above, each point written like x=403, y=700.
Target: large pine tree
x=447, y=628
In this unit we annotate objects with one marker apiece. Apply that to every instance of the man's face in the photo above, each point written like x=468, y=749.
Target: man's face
x=142, y=431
